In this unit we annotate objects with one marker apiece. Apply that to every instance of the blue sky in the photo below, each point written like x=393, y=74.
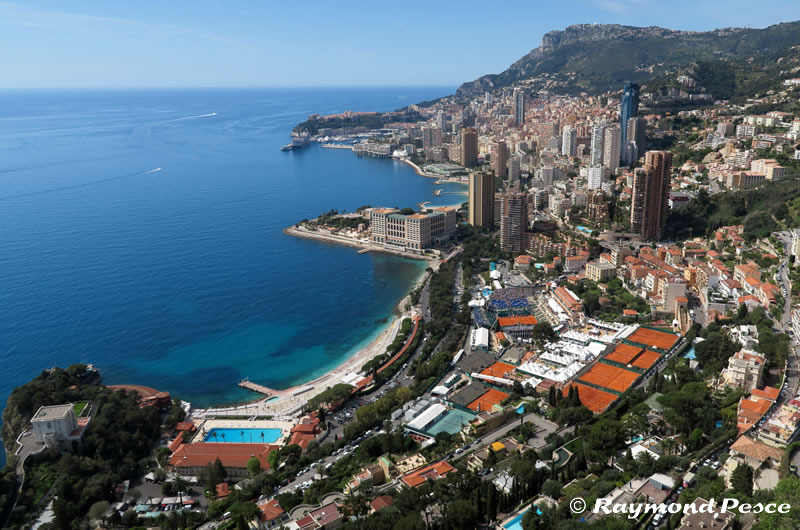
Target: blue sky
x=194, y=43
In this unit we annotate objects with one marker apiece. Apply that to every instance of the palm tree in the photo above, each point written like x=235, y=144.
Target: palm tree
x=215, y=435
x=242, y=434
x=180, y=485
x=669, y=445
x=223, y=437
x=262, y=437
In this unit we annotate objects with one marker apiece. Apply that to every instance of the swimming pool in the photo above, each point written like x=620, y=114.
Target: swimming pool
x=233, y=435
x=689, y=354
x=516, y=522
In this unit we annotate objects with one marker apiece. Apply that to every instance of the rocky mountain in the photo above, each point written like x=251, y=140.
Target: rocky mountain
x=594, y=58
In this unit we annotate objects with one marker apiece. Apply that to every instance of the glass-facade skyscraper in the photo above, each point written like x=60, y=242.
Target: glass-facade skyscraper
x=629, y=107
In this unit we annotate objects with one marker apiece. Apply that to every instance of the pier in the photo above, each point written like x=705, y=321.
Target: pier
x=363, y=251
x=255, y=387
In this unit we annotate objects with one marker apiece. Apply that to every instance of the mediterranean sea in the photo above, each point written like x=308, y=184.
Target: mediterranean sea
x=141, y=231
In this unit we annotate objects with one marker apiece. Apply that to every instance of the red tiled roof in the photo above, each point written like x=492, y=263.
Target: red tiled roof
x=271, y=510
x=768, y=392
x=230, y=454
x=384, y=501
x=327, y=514
x=174, y=444
x=307, y=522
x=305, y=428
x=434, y=471
x=223, y=490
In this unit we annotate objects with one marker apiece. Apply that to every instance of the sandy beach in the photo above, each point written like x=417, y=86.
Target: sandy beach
x=291, y=400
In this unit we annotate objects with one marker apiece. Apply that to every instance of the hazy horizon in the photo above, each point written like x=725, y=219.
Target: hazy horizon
x=248, y=44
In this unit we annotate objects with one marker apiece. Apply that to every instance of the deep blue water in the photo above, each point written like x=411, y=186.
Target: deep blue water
x=181, y=279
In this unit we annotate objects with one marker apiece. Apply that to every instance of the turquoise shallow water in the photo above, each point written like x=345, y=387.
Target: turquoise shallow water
x=180, y=278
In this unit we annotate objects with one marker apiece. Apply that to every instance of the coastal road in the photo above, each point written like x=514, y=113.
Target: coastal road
x=792, y=379
x=458, y=282
x=787, y=305
x=319, y=466
x=425, y=301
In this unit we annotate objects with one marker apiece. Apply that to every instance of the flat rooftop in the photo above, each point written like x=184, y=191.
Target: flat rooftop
x=52, y=412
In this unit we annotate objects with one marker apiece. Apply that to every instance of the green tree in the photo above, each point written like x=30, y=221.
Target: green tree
x=551, y=396
x=215, y=474
x=605, y=438
x=552, y=488
x=696, y=439
x=253, y=466
x=462, y=513
x=786, y=492
x=543, y=332
x=98, y=510
x=742, y=479
x=645, y=464
x=242, y=513
x=491, y=459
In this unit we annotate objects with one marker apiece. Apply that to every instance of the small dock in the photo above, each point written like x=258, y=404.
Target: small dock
x=255, y=387
x=364, y=251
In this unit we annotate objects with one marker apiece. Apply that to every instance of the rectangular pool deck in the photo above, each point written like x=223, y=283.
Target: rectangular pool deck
x=233, y=430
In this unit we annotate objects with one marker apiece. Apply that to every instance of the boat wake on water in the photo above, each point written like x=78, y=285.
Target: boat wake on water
x=80, y=185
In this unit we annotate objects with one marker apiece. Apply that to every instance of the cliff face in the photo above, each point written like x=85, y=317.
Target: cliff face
x=594, y=58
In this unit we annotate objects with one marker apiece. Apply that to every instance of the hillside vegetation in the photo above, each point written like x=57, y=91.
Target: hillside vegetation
x=595, y=58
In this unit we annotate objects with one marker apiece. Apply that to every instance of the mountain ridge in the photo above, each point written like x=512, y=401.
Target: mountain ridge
x=594, y=58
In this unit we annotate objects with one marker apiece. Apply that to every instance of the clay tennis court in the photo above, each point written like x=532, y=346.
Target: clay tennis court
x=498, y=369
x=514, y=321
x=624, y=353
x=591, y=398
x=634, y=356
x=646, y=359
x=487, y=400
x=650, y=337
x=610, y=377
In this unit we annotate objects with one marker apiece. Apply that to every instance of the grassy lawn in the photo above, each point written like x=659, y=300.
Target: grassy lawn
x=78, y=408
x=575, y=445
